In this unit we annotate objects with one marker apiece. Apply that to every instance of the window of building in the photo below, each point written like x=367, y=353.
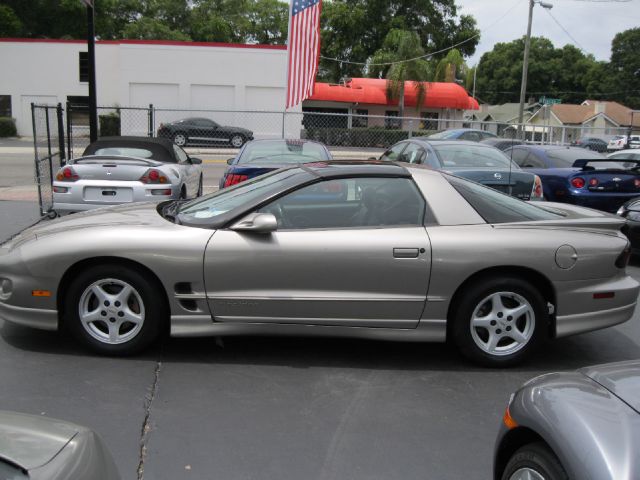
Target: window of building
x=429, y=120
x=83, y=66
x=5, y=105
x=391, y=120
x=360, y=119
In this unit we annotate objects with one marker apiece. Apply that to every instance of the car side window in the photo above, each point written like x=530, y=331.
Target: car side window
x=202, y=123
x=180, y=154
x=393, y=153
x=518, y=155
x=471, y=136
x=413, y=154
x=350, y=202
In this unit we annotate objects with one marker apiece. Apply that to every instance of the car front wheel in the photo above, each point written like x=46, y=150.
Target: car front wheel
x=114, y=310
x=180, y=139
x=237, y=141
x=499, y=321
x=535, y=461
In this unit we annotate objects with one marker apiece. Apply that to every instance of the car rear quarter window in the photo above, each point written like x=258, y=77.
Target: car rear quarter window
x=496, y=207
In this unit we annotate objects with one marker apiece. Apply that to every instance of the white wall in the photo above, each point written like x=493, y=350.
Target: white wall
x=168, y=75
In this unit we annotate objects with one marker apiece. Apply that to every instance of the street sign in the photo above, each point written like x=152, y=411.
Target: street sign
x=549, y=101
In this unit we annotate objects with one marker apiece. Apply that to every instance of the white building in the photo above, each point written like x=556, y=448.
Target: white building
x=169, y=75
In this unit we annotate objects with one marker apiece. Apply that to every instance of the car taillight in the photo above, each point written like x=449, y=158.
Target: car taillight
x=636, y=182
x=623, y=258
x=67, y=174
x=536, y=191
x=153, y=176
x=233, y=179
x=578, y=182
x=593, y=182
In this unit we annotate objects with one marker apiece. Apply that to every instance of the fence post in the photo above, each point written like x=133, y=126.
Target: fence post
x=151, y=121
x=35, y=153
x=60, y=134
x=46, y=111
x=69, y=146
x=283, y=121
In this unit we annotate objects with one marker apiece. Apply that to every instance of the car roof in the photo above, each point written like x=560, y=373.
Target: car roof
x=342, y=168
x=161, y=148
x=284, y=140
x=547, y=148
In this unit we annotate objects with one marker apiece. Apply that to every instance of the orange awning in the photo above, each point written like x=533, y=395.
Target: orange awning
x=372, y=91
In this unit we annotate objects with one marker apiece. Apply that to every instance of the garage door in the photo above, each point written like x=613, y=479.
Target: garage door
x=213, y=97
x=161, y=95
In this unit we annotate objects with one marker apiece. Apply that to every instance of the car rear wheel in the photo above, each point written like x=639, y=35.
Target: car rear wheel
x=114, y=310
x=535, y=461
x=180, y=139
x=499, y=321
x=237, y=141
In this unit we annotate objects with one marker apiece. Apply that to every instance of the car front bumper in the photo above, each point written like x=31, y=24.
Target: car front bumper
x=29, y=317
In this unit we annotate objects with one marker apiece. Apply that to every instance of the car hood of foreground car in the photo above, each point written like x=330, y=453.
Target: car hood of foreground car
x=621, y=378
x=127, y=215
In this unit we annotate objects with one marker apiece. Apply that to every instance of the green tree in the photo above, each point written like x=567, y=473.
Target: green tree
x=353, y=30
x=402, y=45
x=451, y=68
x=10, y=24
x=624, y=68
x=564, y=73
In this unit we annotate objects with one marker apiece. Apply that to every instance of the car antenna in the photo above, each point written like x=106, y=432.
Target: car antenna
x=511, y=160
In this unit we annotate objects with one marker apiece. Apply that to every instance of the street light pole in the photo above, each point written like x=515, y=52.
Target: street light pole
x=525, y=63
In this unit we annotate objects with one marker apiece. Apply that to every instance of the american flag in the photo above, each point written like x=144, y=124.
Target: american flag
x=304, y=50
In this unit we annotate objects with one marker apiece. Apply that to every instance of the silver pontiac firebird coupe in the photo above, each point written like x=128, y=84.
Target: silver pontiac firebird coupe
x=362, y=249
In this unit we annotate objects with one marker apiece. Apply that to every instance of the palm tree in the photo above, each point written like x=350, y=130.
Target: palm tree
x=404, y=47
x=450, y=66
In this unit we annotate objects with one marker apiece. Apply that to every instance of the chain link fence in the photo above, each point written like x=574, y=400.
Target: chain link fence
x=230, y=129
x=49, y=150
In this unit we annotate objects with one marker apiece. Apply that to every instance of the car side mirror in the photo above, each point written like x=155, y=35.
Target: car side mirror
x=195, y=161
x=257, y=222
x=230, y=160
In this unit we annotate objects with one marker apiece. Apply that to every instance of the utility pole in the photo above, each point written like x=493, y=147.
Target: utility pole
x=91, y=60
x=525, y=63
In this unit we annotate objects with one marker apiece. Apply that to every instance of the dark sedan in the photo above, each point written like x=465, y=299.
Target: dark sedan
x=592, y=143
x=579, y=176
x=261, y=156
x=469, y=134
x=192, y=131
x=573, y=425
x=475, y=161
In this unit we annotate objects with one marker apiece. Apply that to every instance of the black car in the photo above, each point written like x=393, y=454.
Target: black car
x=591, y=143
x=502, y=143
x=190, y=131
x=475, y=161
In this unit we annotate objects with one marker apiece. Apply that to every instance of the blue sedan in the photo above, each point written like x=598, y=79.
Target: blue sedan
x=578, y=176
x=258, y=157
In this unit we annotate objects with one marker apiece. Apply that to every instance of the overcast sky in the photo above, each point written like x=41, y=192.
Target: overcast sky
x=593, y=24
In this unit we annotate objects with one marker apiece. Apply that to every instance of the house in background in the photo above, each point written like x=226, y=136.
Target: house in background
x=499, y=119
x=566, y=123
x=363, y=102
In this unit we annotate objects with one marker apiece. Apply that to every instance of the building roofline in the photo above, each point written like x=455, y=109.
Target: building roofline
x=145, y=42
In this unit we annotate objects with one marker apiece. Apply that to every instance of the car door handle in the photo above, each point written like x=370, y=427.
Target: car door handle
x=405, y=252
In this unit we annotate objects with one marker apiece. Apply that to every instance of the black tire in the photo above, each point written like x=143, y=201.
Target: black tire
x=181, y=139
x=200, y=187
x=536, y=457
x=237, y=140
x=518, y=334
x=143, y=302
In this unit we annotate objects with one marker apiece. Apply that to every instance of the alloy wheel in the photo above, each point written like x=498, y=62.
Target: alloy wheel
x=237, y=141
x=111, y=311
x=179, y=139
x=502, y=323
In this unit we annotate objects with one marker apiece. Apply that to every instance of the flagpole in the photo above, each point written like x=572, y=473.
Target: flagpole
x=286, y=80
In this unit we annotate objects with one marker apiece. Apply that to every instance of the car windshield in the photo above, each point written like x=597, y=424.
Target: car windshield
x=476, y=156
x=228, y=199
x=497, y=207
x=124, y=151
x=565, y=158
x=283, y=152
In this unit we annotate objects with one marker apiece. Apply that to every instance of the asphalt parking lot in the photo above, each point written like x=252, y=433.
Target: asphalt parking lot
x=280, y=408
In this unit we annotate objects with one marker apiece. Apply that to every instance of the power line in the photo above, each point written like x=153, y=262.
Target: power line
x=564, y=30
x=622, y=92
x=428, y=55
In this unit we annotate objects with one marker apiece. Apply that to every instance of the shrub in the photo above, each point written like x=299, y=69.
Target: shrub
x=359, y=137
x=110, y=125
x=8, y=127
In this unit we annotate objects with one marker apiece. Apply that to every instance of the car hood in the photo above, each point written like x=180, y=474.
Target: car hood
x=621, y=378
x=31, y=441
x=138, y=214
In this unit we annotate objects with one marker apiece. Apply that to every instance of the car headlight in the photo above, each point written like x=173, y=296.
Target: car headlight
x=633, y=215
x=6, y=287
